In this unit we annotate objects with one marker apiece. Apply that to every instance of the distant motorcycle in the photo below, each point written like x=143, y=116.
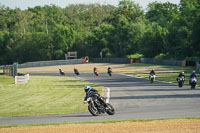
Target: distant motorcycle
x=76, y=71
x=193, y=82
x=96, y=72
x=180, y=81
x=99, y=106
x=61, y=72
x=109, y=71
x=151, y=78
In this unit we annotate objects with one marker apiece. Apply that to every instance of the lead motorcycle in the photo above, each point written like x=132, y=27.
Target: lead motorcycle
x=193, y=82
x=180, y=81
x=99, y=106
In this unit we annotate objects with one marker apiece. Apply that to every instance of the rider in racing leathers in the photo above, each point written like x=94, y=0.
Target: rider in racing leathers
x=93, y=93
x=152, y=73
x=181, y=74
x=193, y=75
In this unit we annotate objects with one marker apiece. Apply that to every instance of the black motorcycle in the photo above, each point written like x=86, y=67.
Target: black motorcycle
x=76, y=71
x=99, y=106
x=180, y=81
x=193, y=82
x=110, y=72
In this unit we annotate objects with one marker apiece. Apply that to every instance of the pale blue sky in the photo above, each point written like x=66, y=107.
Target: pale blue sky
x=24, y=4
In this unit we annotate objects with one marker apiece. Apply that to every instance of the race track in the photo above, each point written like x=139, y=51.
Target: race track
x=132, y=98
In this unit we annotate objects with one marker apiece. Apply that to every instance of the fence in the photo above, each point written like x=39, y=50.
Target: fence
x=10, y=70
x=111, y=60
x=162, y=62
x=50, y=63
x=7, y=70
x=198, y=66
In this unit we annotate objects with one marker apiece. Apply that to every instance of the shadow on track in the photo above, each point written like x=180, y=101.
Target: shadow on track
x=157, y=96
x=75, y=115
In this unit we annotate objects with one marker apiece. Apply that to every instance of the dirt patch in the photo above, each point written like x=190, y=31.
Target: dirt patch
x=157, y=126
x=123, y=68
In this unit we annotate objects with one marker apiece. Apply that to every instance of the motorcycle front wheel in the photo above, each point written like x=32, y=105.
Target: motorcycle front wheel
x=109, y=109
x=180, y=84
x=192, y=86
x=93, y=110
x=152, y=80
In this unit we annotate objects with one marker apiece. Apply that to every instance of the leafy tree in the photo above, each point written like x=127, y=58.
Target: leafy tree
x=152, y=42
x=162, y=13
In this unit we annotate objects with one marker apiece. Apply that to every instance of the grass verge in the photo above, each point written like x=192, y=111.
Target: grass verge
x=42, y=95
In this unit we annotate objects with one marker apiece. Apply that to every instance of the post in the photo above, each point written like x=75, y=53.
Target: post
x=15, y=67
x=101, y=54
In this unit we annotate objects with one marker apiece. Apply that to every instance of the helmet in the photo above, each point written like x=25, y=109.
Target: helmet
x=193, y=71
x=87, y=88
x=182, y=72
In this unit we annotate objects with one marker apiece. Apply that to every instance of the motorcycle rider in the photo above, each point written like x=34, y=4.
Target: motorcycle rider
x=76, y=71
x=152, y=72
x=193, y=75
x=93, y=93
x=181, y=74
x=61, y=71
x=109, y=69
x=95, y=71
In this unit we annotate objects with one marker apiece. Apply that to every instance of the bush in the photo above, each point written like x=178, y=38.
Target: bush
x=137, y=55
x=161, y=56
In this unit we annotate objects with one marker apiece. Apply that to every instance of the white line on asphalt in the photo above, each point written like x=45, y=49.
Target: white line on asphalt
x=81, y=78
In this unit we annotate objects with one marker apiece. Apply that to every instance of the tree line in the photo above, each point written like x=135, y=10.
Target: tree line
x=163, y=30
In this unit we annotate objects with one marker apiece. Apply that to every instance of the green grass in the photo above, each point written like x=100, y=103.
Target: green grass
x=93, y=122
x=42, y=95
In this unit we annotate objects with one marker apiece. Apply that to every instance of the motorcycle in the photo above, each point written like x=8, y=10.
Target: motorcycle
x=110, y=72
x=151, y=78
x=193, y=82
x=99, y=106
x=96, y=72
x=61, y=72
x=180, y=81
x=76, y=71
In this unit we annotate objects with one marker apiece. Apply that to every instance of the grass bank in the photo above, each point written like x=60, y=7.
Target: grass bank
x=42, y=95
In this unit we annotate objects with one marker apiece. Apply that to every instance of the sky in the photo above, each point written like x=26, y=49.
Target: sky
x=24, y=4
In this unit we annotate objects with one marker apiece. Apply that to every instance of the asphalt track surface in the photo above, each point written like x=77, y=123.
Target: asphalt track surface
x=132, y=98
